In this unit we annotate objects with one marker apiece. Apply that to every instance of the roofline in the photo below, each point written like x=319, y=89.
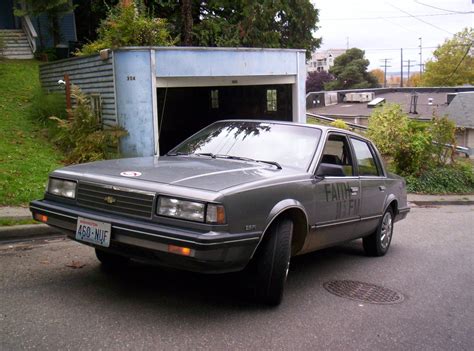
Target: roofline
x=455, y=89
x=203, y=48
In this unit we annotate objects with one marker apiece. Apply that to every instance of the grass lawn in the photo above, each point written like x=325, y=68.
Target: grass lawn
x=26, y=156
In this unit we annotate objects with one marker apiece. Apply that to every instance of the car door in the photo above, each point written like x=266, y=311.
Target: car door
x=336, y=196
x=372, y=185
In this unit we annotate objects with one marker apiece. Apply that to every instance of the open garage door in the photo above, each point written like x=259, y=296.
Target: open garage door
x=183, y=111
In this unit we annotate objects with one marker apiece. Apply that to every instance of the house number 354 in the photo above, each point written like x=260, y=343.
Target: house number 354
x=130, y=77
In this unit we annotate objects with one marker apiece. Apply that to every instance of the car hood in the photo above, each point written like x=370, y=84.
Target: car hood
x=198, y=172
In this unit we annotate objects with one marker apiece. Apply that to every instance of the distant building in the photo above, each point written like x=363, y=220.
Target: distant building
x=419, y=103
x=323, y=60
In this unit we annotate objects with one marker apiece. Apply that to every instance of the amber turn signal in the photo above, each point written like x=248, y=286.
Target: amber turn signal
x=184, y=251
x=41, y=218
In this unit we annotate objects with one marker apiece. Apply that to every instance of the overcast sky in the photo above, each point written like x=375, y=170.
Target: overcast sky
x=382, y=27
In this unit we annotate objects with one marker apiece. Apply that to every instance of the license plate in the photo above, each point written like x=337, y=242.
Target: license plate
x=93, y=232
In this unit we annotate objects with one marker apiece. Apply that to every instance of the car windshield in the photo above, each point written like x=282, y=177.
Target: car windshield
x=279, y=144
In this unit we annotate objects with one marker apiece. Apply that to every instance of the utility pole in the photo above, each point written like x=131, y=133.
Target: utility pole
x=385, y=65
x=409, y=65
x=401, y=67
x=421, y=55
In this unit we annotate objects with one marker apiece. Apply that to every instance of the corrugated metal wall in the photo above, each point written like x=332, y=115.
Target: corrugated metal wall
x=91, y=74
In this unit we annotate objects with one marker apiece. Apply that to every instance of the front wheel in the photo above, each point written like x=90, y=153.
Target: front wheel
x=273, y=262
x=378, y=243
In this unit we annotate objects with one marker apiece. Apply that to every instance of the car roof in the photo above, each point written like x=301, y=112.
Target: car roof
x=315, y=126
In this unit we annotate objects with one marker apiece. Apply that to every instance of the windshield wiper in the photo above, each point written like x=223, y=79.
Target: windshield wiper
x=240, y=158
x=210, y=154
x=178, y=153
x=276, y=164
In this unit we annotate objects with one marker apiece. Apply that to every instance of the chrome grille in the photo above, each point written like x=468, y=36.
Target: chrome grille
x=115, y=199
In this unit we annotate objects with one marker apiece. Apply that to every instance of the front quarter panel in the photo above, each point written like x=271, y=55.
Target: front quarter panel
x=254, y=209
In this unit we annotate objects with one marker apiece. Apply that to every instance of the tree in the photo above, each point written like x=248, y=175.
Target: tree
x=54, y=10
x=88, y=15
x=350, y=71
x=315, y=80
x=453, y=62
x=379, y=74
x=414, y=80
x=243, y=23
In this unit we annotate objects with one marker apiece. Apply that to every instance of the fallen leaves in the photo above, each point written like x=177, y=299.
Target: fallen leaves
x=75, y=264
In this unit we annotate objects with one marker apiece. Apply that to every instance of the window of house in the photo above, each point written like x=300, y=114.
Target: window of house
x=215, y=98
x=365, y=159
x=271, y=100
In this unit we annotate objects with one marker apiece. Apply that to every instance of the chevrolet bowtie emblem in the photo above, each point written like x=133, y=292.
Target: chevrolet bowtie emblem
x=110, y=199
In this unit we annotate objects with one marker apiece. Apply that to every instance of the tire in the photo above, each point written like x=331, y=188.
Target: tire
x=378, y=243
x=272, y=263
x=110, y=260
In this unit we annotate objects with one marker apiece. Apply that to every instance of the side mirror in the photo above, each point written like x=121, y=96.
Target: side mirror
x=330, y=170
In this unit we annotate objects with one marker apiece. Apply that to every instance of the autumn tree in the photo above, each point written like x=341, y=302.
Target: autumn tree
x=350, y=72
x=414, y=80
x=315, y=80
x=378, y=73
x=453, y=62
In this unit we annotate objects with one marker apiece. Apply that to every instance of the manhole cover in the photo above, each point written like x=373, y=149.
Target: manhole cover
x=364, y=292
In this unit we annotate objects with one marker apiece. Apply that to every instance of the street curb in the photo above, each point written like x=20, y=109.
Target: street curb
x=442, y=203
x=28, y=232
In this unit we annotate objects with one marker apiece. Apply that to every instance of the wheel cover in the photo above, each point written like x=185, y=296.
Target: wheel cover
x=386, y=230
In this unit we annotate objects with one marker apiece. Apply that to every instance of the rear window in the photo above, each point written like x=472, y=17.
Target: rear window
x=365, y=158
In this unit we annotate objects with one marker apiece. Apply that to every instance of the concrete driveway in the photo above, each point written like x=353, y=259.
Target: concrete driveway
x=54, y=295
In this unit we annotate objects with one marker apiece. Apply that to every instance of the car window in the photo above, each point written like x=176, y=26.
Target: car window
x=337, y=152
x=289, y=145
x=365, y=158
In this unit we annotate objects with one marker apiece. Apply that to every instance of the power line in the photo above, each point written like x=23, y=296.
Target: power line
x=419, y=19
x=459, y=63
x=451, y=12
x=394, y=17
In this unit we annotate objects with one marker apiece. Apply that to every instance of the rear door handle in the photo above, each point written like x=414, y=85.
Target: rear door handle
x=382, y=188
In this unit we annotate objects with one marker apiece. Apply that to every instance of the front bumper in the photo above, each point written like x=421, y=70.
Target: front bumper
x=211, y=252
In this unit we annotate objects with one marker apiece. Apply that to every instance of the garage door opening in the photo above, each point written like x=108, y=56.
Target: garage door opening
x=184, y=111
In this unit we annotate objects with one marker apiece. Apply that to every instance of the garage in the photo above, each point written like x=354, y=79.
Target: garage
x=161, y=95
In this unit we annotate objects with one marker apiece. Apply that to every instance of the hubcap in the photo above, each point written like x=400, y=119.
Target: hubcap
x=386, y=230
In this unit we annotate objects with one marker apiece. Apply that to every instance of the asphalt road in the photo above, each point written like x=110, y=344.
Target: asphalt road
x=46, y=304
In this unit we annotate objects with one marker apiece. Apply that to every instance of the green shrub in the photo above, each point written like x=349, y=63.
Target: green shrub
x=128, y=25
x=417, y=150
x=339, y=123
x=82, y=137
x=457, y=178
x=388, y=127
x=45, y=105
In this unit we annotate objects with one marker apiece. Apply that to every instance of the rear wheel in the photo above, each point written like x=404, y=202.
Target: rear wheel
x=378, y=243
x=272, y=262
x=110, y=260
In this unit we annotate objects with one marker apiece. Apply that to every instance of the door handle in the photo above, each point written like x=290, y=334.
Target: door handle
x=382, y=188
x=354, y=190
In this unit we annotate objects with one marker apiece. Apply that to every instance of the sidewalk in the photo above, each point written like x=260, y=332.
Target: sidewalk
x=36, y=231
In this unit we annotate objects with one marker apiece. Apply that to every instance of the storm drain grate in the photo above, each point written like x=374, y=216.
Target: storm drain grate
x=364, y=292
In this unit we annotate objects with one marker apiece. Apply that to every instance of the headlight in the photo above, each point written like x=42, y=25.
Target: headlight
x=190, y=210
x=61, y=187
